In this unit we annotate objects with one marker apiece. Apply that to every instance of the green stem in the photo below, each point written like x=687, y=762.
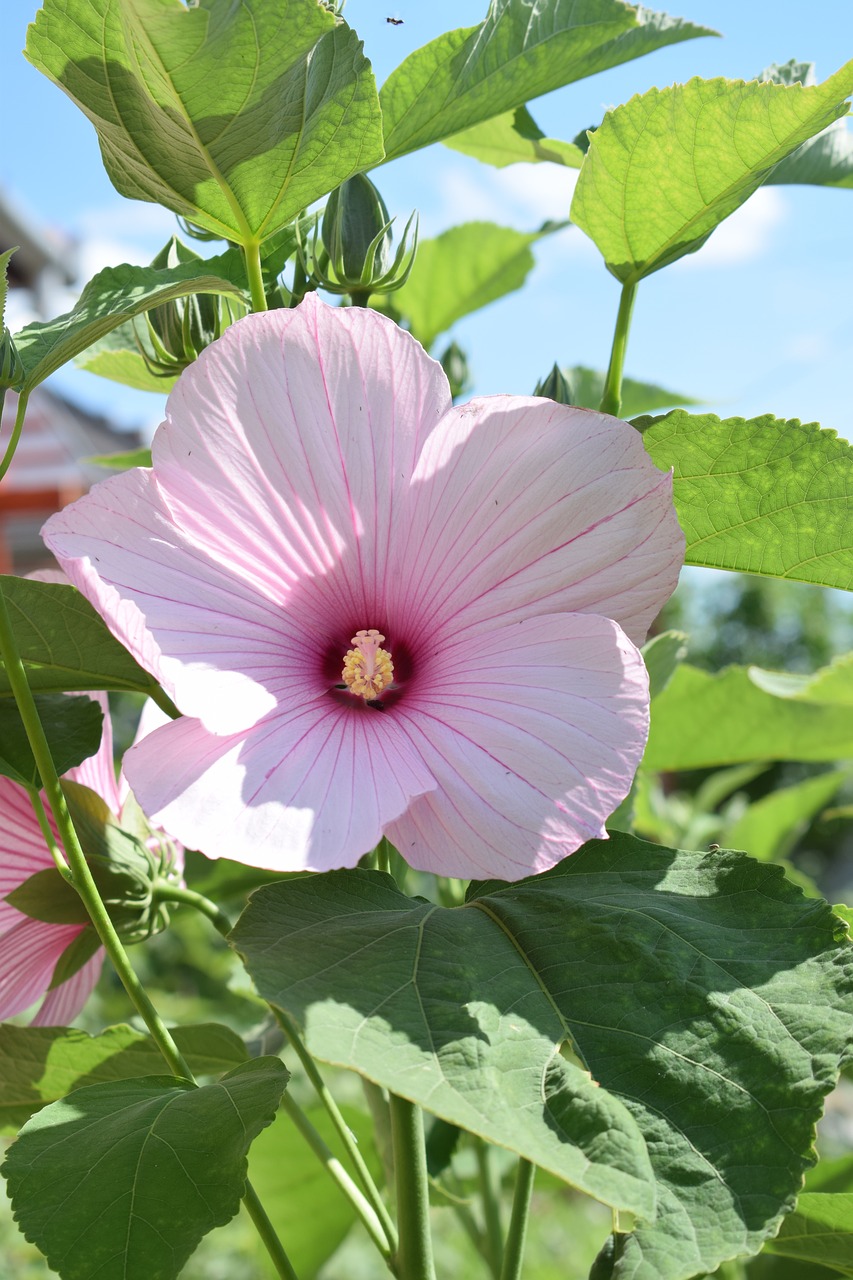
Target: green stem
x=49, y=838
x=16, y=433
x=85, y=885
x=255, y=275
x=165, y=891
x=611, y=400
x=514, y=1250
x=339, y=1175
x=163, y=701
x=414, y=1256
x=490, y=1192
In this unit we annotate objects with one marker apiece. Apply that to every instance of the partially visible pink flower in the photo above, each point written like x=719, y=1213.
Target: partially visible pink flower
x=378, y=613
x=30, y=949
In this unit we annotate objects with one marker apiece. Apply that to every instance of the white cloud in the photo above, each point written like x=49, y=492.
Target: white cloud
x=123, y=231
x=745, y=235
x=522, y=195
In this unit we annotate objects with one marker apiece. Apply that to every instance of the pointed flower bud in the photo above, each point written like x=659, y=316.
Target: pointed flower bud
x=173, y=335
x=454, y=362
x=352, y=250
x=555, y=386
x=12, y=371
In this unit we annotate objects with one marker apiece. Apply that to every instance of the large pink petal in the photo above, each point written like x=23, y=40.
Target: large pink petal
x=62, y=1005
x=29, y=951
x=308, y=788
x=522, y=506
x=23, y=851
x=285, y=458
x=98, y=772
x=533, y=733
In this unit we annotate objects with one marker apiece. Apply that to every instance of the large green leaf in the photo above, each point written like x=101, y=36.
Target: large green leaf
x=72, y=727
x=819, y=1231
x=701, y=991
x=121, y=1180
x=763, y=496
x=825, y=160
x=832, y=685
x=770, y=827
x=666, y=168
x=117, y=357
x=39, y=1065
x=513, y=138
x=110, y=298
x=461, y=271
x=236, y=116
x=701, y=721
x=64, y=643
x=308, y=1210
x=522, y=49
x=637, y=397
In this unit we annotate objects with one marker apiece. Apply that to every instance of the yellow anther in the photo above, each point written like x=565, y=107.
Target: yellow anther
x=368, y=670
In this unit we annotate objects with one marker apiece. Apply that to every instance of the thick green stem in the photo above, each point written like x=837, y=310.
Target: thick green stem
x=339, y=1175
x=16, y=433
x=414, y=1256
x=514, y=1248
x=611, y=400
x=165, y=891
x=255, y=275
x=81, y=878
x=490, y=1192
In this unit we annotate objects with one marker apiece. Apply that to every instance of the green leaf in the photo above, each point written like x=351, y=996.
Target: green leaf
x=39, y=1065
x=113, y=296
x=512, y=138
x=461, y=271
x=637, y=397
x=234, y=116
x=133, y=1151
x=666, y=168
x=819, y=1231
x=770, y=828
x=701, y=991
x=117, y=357
x=72, y=726
x=47, y=895
x=824, y=161
x=64, y=643
x=517, y=53
x=762, y=496
x=832, y=685
x=701, y=721
x=662, y=656
x=123, y=461
x=309, y=1212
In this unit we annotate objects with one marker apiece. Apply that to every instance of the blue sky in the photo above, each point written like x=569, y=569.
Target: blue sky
x=757, y=322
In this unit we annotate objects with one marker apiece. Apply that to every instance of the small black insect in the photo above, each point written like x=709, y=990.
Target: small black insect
x=376, y=703
x=395, y=22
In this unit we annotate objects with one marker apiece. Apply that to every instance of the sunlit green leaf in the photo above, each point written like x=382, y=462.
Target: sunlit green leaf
x=65, y=645
x=123, y=461
x=517, y=53
x=39, y=1065
x=832, y=684
x=662, y=656
x=763, y=496
x=512, y=138
x=702, y=991
x=820, y=1231
x=234, y=116
x=666, y=168
x=771, y=826
x=154, y=1163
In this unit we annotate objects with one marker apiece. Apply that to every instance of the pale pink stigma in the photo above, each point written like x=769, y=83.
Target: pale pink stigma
x=368, y=670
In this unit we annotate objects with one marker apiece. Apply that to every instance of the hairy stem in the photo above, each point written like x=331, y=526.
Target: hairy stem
x=611, y=400
x=414, y=1256
x=517, y=1234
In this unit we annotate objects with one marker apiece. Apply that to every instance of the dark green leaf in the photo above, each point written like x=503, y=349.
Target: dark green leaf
x=73, y=728
x=235, y=116
x=461, y=271
x=702, y=720
x=513, y=138
x=637, y=397
x=78, y=952
x=64, y=643
x=763, y=496
x=666, y=168
x=702, y=991
x=39, y=1065
x=47, y=895
x=110, y=298
x=517, y=53
x=132, y=1152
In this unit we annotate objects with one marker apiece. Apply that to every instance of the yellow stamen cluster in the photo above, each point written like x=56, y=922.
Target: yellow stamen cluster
x=368, y=670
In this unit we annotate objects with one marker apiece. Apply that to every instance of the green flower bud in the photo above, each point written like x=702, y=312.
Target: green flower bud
x=12, y=371
x=454, y=362
x=555, y=386
x=173, y=335
x=352, y=250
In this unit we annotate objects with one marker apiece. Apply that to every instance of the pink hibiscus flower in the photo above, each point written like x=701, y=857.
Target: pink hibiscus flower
x=378, y=613
x=30, y=949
